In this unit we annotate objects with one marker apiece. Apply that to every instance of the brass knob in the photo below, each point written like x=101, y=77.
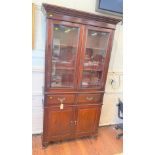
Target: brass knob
x=50, y=97
x=75, y=122
x=61, y=100
x=89, y=98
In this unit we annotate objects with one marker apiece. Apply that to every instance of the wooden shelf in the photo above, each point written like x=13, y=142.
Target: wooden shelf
x=65, y=45
x=96, y=48
x=62, y=85
x=92, y=69
x=90, y=86
x=64, y=68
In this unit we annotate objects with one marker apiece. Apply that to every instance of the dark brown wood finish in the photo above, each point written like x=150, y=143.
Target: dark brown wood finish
x=72, y=112
x=56, y=99
x=89, y=98
x=59, y=123
x=87, y=118
x=94, y=91
x=81, y=57
x=47, y=55
x=55, y=12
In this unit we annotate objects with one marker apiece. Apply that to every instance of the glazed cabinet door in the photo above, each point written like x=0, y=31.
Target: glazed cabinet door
x=93, y=57
x=58, y=123
x=63, y=46
x=87, y=119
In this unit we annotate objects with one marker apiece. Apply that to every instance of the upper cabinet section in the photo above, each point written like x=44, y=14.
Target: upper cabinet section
x=78, y=46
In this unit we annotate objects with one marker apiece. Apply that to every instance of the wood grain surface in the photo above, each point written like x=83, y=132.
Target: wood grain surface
x=105, y=144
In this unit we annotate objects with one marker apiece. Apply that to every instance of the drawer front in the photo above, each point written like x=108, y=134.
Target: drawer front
x=89, y=98
x=58, y=99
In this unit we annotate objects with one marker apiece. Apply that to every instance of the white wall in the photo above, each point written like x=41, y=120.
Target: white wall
x=109, y=109
x=85, y=5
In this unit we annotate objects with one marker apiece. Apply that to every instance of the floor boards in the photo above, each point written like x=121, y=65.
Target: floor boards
x=105, y=144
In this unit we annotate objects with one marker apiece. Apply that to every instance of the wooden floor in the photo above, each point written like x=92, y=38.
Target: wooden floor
x=105, y=144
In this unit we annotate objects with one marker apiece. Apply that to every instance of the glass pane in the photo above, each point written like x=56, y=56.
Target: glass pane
x=65, y=42
x=95, y=53
x=91, y=78
x=97, y=39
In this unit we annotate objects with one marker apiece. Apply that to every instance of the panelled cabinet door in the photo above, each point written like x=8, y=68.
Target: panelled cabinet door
x=58, y=123
x=93, y=57
x=87, y=119
x=65, y=46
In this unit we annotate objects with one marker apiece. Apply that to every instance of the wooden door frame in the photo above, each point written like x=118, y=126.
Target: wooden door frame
x=49, y=50
x=107, y=58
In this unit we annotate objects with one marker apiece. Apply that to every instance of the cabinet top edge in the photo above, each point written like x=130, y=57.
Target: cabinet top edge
x=48, y=9
x=86, y=92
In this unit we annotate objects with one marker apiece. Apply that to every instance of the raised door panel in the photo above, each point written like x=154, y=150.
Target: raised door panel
x=87, y=119
x=58, y=123
x=93, y=57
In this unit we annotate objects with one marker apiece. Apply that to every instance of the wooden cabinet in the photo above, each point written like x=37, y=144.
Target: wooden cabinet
x=78, y=47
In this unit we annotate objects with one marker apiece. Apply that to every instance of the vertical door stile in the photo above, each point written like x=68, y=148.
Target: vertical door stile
x=81, y=55
x=74, y=119
x=78, y=68
x=78, y=56
x=49, y=35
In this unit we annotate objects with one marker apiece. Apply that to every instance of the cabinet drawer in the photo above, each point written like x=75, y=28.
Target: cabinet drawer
x=58, y=99
x=89, y=98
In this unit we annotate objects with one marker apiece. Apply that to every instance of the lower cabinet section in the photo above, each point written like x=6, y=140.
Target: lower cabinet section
x=70, y=122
